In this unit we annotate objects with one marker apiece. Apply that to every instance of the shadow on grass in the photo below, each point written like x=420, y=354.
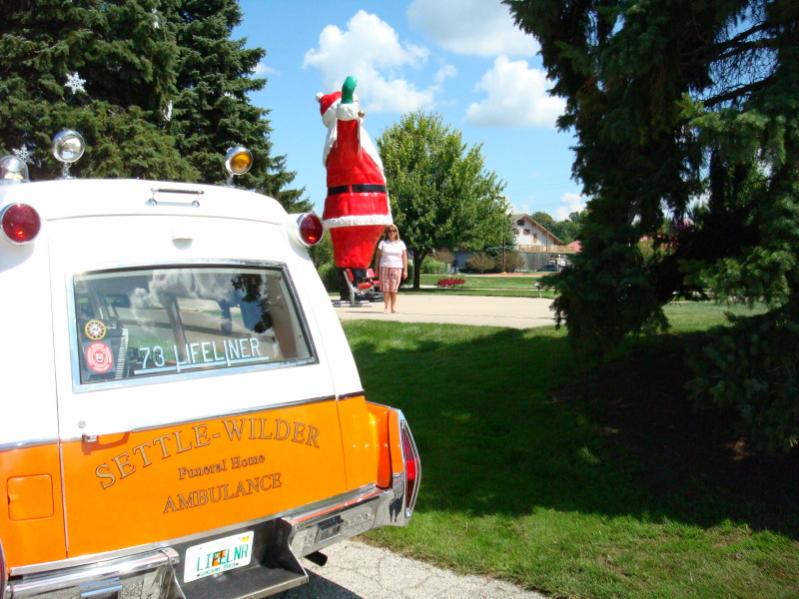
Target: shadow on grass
x=506, y=422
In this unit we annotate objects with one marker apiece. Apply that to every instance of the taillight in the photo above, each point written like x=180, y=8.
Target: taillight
x=413, y=468
x=310, y=228
x=21, y=223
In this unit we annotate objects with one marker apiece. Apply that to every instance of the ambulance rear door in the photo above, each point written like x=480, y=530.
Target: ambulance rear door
x=193, y=393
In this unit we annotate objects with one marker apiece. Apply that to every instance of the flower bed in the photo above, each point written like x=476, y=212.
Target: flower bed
x=449, y=283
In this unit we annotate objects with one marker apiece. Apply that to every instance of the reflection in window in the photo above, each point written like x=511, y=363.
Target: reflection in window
x=150, y=322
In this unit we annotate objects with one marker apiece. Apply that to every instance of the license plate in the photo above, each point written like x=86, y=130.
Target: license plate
x=217, y=556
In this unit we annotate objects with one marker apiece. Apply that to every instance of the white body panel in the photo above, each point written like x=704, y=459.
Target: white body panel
x=27, y=374
x=95, y=225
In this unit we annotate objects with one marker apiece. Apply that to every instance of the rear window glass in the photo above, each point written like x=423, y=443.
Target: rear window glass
x=135, y=324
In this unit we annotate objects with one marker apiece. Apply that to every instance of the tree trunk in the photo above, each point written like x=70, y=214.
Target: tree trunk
x=418, y=257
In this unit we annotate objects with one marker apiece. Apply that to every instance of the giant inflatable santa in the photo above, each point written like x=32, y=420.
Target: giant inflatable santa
x=356, y=207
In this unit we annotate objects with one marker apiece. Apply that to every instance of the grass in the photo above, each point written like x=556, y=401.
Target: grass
x=581, y=481
x=491, y=285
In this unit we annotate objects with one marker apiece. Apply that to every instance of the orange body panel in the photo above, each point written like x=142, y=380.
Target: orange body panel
x=28, y=535
x=160, y=484
x=379, y=417
x=30, y=497
x=360, y=442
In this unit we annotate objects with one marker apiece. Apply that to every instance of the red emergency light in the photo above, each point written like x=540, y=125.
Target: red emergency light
x=310, y=228
x=20, y=222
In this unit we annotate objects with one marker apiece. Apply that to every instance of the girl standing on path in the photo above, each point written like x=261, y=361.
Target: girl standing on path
x=392, y=263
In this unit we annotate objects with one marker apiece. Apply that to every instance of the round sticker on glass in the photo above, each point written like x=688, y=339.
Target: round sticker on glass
x=95, y=330
x=99, y=358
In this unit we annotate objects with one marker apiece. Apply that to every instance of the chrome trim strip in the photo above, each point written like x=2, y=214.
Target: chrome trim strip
x=331, y=502
x=141, y=563
x=26, y=443
x=277, y=406
x=353, y=394
x=3, y=571
x=314, y=514
x=410, y=502
x=72, y=326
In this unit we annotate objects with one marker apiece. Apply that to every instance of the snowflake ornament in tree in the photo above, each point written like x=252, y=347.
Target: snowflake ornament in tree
x=23, y=154
x=75, y=83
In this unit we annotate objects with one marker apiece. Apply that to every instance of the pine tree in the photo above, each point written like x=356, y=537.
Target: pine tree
x=123, y=68
x=687, y=112
x=212, y=112
x=161, y=90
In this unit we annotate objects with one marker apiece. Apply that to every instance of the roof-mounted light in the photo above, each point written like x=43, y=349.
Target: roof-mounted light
x=68, y=147
x=238, y=161
x=13, y=170
x=20, y=223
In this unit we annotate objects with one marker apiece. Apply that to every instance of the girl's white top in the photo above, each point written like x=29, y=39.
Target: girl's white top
x=391, y=253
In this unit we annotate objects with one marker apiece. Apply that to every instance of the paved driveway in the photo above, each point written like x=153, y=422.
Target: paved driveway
x=357, y=570
x=514, y=312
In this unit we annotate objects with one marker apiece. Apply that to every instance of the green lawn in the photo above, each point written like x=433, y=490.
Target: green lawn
x=516, y=286
x=581, y=481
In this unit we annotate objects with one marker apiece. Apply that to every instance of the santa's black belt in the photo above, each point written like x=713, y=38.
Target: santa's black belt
x=358, y=188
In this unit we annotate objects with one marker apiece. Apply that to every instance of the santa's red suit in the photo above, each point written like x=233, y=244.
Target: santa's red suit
x=357, y=209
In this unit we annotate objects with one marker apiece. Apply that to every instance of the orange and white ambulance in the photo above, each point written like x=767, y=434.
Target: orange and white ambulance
x=181, y=414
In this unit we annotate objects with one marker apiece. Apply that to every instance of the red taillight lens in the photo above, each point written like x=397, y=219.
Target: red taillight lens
x=311, y=228
x=21, y=223
x=413, y=467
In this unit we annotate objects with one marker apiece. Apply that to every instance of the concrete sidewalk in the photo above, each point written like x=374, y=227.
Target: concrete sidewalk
x=356, y=571
x=513, y=312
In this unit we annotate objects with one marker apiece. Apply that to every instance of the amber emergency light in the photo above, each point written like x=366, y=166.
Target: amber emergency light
x=238, y=161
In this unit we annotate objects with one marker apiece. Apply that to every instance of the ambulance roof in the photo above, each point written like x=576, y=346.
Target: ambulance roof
x=76, y=198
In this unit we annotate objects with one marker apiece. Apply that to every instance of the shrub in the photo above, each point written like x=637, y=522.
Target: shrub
x=444, y=255
x=753, y=369
x=431, y=266
x=480, y=262
x=330, y=276
x=322, y=252
x=513, y=261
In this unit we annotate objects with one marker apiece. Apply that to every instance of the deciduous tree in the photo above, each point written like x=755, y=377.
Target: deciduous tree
x=441, y=193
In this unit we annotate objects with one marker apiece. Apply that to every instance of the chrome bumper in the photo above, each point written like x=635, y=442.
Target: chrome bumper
x=154, y=573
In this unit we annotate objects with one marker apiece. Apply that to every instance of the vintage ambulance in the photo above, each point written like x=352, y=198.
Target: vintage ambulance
x=180, y=415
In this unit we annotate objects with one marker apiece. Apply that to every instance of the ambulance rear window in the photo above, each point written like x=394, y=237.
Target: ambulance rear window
x=152, y=322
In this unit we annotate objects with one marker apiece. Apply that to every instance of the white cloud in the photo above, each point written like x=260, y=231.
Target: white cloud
x=445, y=73
x=479, y=27
x=263, y=69
x=570, y=202
x=517, y=97
x=371, y=50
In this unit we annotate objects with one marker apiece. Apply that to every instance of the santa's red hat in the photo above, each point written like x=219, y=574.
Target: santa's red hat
x=327, y=106
x=327, y=100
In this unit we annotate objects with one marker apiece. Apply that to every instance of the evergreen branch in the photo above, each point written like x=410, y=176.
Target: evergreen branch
x=739, y=91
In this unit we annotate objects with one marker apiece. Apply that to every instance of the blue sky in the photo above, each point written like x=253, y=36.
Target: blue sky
x=461, y=58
